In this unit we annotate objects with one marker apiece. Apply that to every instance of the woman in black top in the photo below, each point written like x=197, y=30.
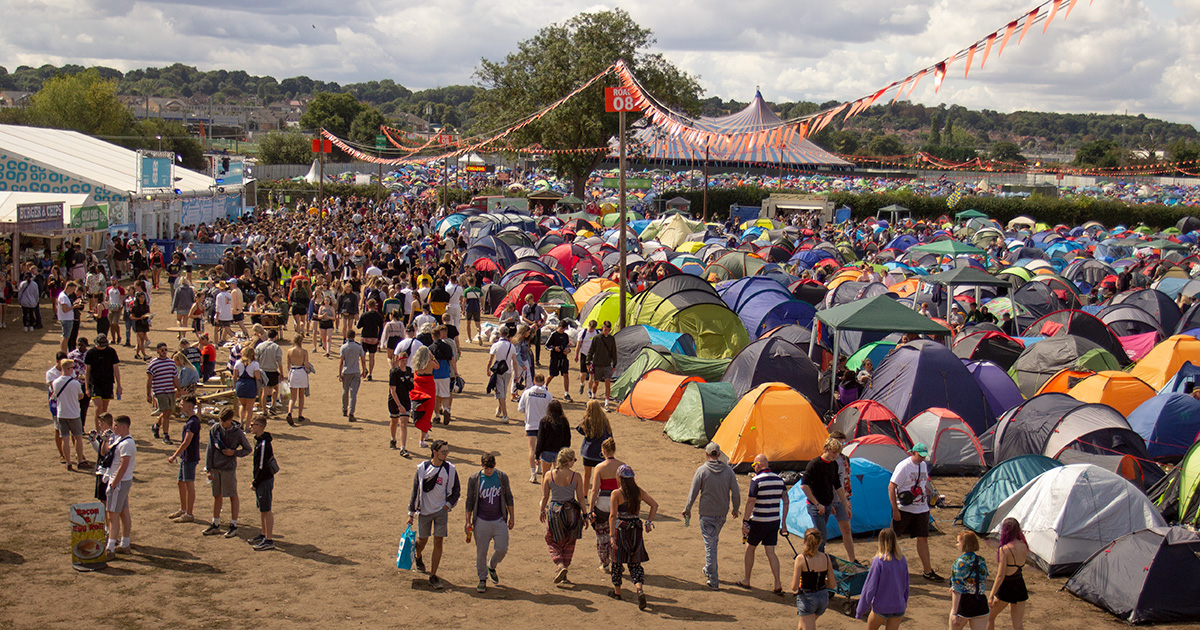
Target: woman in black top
x=400, y=385
x=140, y=314
x=554, y=434
x=370, y=326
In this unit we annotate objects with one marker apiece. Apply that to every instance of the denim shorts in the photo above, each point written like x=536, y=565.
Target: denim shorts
x=812, y=603
x=187, y=470
x=838, y=510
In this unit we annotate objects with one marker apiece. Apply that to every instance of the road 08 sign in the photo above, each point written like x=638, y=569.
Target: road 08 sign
x=619, y=99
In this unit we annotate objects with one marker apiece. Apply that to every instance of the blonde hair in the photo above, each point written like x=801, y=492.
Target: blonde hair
x=66, y=363
x=812, y=541
x=421, y=358
x=889, y=547
x=247, y=353
x=970, y=542
x=565, y=458
x=833, y=445
x=595, y=422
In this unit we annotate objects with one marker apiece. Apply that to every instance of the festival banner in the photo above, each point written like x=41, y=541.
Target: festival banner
x=90, y=218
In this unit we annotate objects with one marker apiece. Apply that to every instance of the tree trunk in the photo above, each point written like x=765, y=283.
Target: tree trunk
x=580, y=185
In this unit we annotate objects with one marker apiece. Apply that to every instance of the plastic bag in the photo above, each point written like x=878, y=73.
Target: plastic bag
x=404, y=554
x=285, y=390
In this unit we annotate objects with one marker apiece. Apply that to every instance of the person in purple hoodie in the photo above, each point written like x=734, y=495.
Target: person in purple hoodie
x=885, y=594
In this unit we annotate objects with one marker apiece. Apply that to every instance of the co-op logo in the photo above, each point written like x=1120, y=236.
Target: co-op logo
x=21, y=176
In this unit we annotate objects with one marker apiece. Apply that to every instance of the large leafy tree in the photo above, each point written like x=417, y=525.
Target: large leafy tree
x=335, y=112
x=170, y=136
x=558, y=60
x=285, y=147
x=84, y=102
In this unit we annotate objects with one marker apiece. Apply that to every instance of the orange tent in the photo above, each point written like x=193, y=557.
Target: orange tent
x=1064, y=380
x=905, y=288
x=656, y=395
x=1121, y=391
x=589, y=289
x=1161, y=363
x=775, y=420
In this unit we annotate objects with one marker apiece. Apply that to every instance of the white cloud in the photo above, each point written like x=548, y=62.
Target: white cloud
x=1114, y=55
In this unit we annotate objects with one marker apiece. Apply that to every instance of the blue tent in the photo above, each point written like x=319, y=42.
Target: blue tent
x=790, y=312
x=1187, y=373
x=923, y=374
x=1169, y=423
x=997, y=485
x=868, y=502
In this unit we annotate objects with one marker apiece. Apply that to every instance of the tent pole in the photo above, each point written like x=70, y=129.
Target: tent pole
x=812, y=338
x=706, y=141
x=833, y=380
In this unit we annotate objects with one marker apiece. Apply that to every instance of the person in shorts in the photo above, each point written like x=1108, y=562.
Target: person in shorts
x=473, y=299
x=603, y=357
x=444, y=373
x=67, y=392
x=911, y=494
x=766, y=516
x=263, y=482
x=581, y=354
x=560, y=364
x=188, y=455
x=435, y=492
x=162, y=381
x=226, y=443
x=500, y=366
x=120, y=480
x=400, y=385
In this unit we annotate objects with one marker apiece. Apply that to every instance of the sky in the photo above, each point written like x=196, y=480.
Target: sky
x=1111, y=56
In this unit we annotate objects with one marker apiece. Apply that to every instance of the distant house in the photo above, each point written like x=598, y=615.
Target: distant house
x=413, y=123
x=12, y=98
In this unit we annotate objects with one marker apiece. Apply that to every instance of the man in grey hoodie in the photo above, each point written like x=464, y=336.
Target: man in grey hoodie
x=226, y=443
x=716, y=485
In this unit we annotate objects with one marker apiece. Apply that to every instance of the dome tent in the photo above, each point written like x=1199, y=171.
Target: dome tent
x=997, y=485
x=1045, y=358
x=997, y=386
x=876, y=448
x=631, y=339
x=686, y=304
x=953, y=448
x=869, y=417
x=1157, y=367
x=776, y=360
x=1070, y=512
x=1170, y=424
x=1137, y=576
x=869, y=504
x=1121, y=391
x=699, y=412
x=774, y=420
x=1178, y=494
x=655, y=395
x=923, y=374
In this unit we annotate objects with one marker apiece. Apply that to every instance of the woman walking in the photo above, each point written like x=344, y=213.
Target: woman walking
x=595, y=429
x=885, y=593
x=325, y=315
x=246, y=370
x=140, y=315
x=554, y=434
x=625, y=525
x=562, y=498
x=400, y=386
x=297, y=375
x=1009, y=587
x=423, y=392
x=812, y=577
x=599, y=500
x=299, y=299
x=968, y=576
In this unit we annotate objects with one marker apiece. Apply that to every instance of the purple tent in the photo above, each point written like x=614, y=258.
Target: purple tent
x=998, y=387
x=923, y=374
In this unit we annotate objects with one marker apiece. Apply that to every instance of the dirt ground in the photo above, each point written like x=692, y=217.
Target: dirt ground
x=340, y=502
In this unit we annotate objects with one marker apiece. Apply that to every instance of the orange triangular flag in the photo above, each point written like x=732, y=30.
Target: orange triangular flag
x=1008, y=31
x=970, y=56
x=1069, y=7
x=916, y=81
x=1028, y=22
x=991, y=39
x=1053, y=11
x=903, y=84
x=939, y=74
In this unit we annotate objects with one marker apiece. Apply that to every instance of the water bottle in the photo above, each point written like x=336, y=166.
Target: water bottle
x=470, y=530
x=687, y=521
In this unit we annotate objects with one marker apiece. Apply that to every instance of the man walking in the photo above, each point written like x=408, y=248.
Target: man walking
x=533, y=315
x=560, y=364
x=68, y=393
x=841, y=509
x=822, y=485
x=29, y=299
x=352, y=362
x=103, y=374
x=716, y=485
x=270, y=360
x=767, y=505
x=500, y=364
x=64, y=308
x=490, y=516
x=162, y=381
x=603, y=358
x=226, y=443
x=533, y=404
x=443, y=375
x=911, y=493
x=435, y=492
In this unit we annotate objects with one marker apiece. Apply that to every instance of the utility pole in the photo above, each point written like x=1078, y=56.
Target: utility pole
x=706, y=143
x=621, y=202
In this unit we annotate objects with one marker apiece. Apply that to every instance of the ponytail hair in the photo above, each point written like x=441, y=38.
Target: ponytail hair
x=812, y=541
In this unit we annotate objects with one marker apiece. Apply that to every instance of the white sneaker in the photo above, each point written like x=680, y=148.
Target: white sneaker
x=532, y=476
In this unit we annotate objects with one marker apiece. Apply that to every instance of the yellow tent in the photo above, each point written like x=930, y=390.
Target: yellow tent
x=589, y=289
x=1118, y=390
x=1161, y=363
x=775, y=420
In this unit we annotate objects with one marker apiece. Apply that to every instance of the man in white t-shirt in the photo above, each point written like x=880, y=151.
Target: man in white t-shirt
x=500, y=365
x=533, y=404
x=911, y=494
x=120, y=481
x=581, y=353
x=453, y=315
x=67, y=391
x=64, y=308
x=407, y=296
x=224, y=312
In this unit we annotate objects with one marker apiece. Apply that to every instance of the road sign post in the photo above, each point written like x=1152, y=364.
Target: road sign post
x=621, y=100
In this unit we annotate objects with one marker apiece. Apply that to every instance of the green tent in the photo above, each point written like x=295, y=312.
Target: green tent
x=651, y=359
x=701, y=408
x=969, y=214
x=1098, y=360
x=876, y=351
x=1163, y=243
x=716, y=330
x=613, y=218
x=710, y=370
x=948, y=247
x=1177, y=495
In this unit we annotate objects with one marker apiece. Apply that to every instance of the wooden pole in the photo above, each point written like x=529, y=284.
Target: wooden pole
x=621, y=201
x=705, y=181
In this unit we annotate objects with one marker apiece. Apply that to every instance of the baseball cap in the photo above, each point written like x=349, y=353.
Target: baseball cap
x=713, y=448
x=101, y=340
x=920, y=449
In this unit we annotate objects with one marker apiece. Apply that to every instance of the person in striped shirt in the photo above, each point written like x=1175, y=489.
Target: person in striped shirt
x=766, y=513
x=162, y=381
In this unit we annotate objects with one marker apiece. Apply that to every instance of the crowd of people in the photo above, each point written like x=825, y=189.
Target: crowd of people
x=379, y=280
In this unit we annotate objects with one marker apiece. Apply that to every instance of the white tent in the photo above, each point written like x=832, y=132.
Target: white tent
x=953, y=449
x=314, y=173
x=1069, y=513
x=879, y=449
x=471, y=158
x=10, y=200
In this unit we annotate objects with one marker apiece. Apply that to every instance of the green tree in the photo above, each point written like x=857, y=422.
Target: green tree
x=1102, y=153
x=286, y=147
x=935, y=130
x=948, y=132
x=365, y=126
x=170, y=136
x=334, y=112
x=84, y=102
x=556, y=61
x=886, y=145
x=1007, y=152
x=1181, y=151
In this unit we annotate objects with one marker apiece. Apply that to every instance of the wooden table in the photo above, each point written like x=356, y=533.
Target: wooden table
x=182, y=330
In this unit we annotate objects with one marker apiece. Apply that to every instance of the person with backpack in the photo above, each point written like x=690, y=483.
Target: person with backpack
x=499, y=372
x=911, y=494
x=435, y=492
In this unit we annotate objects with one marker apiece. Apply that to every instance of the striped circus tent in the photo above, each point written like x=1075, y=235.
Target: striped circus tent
x=655, y=143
